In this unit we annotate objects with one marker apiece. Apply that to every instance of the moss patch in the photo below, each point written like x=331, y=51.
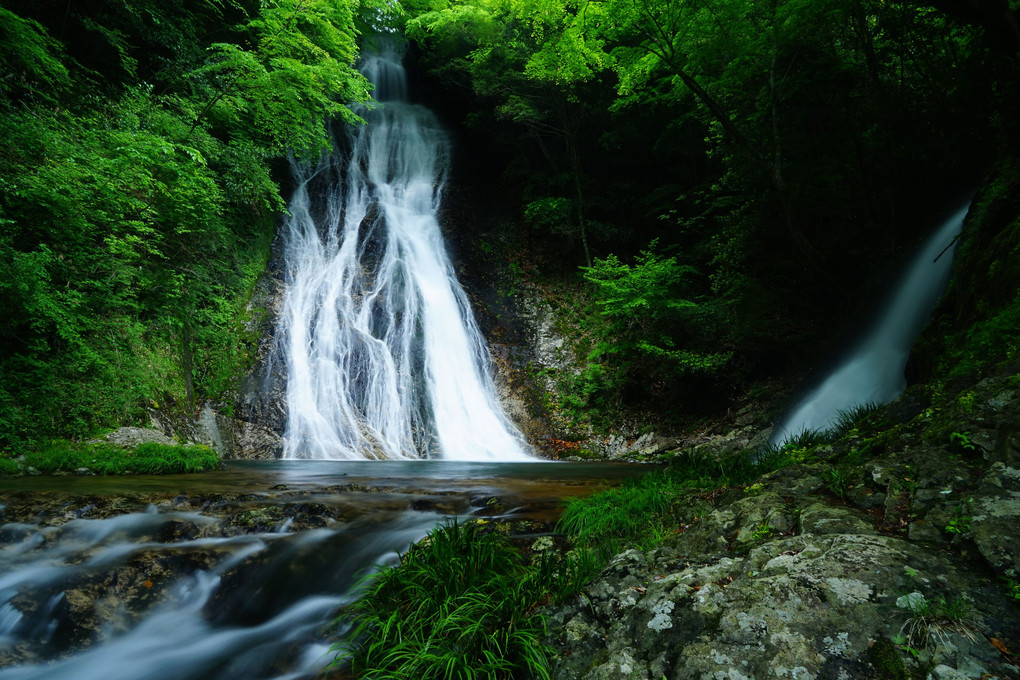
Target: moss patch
x=885, y=657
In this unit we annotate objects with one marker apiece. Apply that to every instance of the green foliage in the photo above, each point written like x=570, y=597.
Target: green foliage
x=885, y=657
x=108, y=459
x=460, y=605
x=763, y=532
x=646, y=511
x=639, y=337
x=838, y=480
x=963, y=440
x=962, y=518
x=801, y=448
x=931, y=621
x=282, y=91
x=610, y=519
x=30, y=60
x=699, y=124
x=988, y=341
x=8, y=467
x=855, y=417
x=137, y=209
x=555, y=214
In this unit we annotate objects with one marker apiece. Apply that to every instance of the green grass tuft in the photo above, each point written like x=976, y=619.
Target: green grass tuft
x=646, y=511
x=931, y=621
x=854, y=417
x=9, y=468
x=460, y=605
x=109, y=459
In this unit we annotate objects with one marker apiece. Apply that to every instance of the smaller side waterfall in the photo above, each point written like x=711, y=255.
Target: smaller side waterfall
x=873, y=370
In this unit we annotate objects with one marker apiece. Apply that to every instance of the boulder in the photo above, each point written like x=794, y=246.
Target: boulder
x=808, y=606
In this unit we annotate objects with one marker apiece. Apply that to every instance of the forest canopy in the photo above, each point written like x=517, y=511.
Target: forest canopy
x=724, y=178
x=137, y=150
x=783, y=155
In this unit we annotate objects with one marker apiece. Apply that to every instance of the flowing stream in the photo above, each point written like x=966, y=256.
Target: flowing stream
x=384, y=359
x=228, y=575
x=873, y=371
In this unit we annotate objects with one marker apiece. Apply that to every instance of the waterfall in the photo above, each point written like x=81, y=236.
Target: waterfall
x=873, y=371
x=384, y=358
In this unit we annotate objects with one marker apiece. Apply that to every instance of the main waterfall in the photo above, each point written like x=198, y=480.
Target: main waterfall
x=384, y=358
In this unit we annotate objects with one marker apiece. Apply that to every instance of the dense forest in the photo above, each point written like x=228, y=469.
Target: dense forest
x=738, y=182
x=140, y=184
x=701, y=199
x=726, y=182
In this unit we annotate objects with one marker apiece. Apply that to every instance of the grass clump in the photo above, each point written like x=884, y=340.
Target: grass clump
x=644, y=512
x=8, y=467
x=624, y=515
x=460, y=605
x=109, y=459
x=855, y=417
x=933, y=620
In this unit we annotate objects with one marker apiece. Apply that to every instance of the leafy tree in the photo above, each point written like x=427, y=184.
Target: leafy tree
x=531, y=58
x=137, y=193
x=30, y=60
x=652, y=321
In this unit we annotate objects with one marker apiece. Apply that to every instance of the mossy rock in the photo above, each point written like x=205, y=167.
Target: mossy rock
x=885, y=658
x=260, y=518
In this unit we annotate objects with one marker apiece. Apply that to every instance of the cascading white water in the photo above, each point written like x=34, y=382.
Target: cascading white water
x=384, y=359
x=873, y=371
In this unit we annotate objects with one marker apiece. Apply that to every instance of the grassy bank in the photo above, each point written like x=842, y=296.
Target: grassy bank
x=464, y=603
x=58, y=457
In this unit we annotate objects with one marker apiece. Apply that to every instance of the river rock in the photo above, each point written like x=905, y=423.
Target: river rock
x=994, y=518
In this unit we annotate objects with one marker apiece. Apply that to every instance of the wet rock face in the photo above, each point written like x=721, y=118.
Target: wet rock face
x=259, y=405
x=995, y=519
x=262, y=399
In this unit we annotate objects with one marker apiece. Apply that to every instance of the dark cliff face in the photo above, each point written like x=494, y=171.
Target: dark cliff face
x=262, y=395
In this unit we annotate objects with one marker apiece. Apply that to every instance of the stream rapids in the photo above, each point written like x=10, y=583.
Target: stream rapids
x=235, y=574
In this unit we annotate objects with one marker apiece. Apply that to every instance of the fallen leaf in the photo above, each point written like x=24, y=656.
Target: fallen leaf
x=998, y=645
x=147, y=584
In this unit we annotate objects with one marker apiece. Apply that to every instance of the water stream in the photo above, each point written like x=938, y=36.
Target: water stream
x=229, y=575
x=384, y=358
x=873, y=371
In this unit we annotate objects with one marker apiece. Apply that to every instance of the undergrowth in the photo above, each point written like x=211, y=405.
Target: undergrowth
x=461, y=604
x=645, y=511
x=109, y=459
